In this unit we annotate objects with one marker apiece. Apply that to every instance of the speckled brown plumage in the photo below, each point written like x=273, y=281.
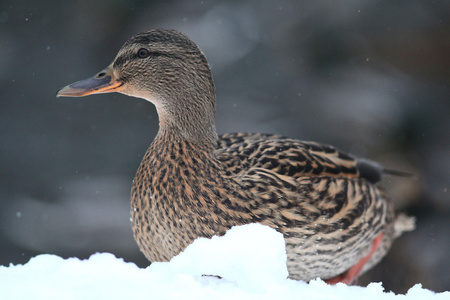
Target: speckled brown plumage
x=191, y=183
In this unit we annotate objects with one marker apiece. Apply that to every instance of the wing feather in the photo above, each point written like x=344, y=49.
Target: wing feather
x=290, y=157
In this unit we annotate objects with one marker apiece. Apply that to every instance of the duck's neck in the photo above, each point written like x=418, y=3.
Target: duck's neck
x=188, y=121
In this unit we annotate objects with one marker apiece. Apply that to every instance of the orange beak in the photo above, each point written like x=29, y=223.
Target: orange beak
x=103, y=82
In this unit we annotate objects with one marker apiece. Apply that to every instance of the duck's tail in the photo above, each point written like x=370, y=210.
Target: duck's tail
x=403, y=223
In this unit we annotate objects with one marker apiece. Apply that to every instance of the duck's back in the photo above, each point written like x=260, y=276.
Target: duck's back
x=289, y=157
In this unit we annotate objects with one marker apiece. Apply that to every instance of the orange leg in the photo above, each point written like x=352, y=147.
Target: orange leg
x=351, y=274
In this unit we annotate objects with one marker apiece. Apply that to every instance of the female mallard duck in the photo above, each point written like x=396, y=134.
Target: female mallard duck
x=191, y=183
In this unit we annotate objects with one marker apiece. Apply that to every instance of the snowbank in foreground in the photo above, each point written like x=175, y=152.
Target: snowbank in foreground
x=240, y=257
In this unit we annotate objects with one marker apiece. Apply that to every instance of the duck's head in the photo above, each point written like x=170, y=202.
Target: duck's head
x=166, y=68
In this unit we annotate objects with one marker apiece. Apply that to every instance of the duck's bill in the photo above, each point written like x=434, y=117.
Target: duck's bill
x=103, y=82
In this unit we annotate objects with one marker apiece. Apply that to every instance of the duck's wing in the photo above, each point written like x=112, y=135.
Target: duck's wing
x=241, y=152
x=312, y=191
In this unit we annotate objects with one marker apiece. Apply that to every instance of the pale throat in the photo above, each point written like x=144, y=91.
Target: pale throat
x=184, y=119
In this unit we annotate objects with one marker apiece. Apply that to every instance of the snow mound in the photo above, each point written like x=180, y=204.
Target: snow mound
x=245, y=255
x=250, y=259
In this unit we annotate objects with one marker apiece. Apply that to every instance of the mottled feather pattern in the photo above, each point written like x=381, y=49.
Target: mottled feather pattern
x=284, y=156
x=327, y=214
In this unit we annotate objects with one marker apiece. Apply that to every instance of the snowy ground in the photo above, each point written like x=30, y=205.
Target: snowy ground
x=240, y=257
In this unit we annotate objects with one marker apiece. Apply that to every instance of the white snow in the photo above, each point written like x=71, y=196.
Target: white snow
x=250, y=260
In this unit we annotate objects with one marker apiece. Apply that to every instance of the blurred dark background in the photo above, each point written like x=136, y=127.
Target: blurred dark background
x=370, y=77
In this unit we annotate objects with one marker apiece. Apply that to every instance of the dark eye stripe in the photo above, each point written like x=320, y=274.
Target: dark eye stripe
x=154, y=54
x=144, y=53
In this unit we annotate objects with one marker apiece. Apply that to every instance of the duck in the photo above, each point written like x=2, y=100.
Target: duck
x=336, y=220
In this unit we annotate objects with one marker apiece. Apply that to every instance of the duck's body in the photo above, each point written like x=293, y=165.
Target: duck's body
x=311, y=193
x=192, y=184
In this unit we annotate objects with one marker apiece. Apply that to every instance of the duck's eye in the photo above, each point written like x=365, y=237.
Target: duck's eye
x=143, y=53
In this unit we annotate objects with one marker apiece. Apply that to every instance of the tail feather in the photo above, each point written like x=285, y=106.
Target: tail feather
x=398, y=173
x=404, y=223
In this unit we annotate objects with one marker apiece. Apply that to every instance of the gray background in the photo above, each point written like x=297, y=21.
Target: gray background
x=370, y=77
